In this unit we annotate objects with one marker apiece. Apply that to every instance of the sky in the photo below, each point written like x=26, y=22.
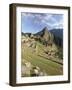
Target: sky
x=35, y=22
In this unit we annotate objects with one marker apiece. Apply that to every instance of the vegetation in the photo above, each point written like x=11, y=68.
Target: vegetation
x=40, y=55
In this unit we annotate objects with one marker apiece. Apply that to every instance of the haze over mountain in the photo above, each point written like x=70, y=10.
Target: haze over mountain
x=57, y=32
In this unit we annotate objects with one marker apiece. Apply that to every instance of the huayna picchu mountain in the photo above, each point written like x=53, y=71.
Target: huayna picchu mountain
x=51, y=36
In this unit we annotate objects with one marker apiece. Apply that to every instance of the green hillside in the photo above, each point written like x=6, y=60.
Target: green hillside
x=40, y=58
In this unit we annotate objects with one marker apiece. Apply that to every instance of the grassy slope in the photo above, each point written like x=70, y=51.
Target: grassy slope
x=51, y=68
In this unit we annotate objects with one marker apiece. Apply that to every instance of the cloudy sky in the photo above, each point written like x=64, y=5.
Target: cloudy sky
x=35, y=22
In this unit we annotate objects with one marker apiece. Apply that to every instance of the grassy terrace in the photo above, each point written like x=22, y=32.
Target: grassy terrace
x=48, y=66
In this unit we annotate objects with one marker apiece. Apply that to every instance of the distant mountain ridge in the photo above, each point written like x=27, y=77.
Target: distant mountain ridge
x=57, y=32
x=48, y=36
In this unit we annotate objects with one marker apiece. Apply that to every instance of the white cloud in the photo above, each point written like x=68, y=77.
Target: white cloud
x=47, y=19
x=58, y=24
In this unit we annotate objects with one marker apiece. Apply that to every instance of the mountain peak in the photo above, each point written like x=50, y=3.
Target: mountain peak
x=43, y=32
x=45, y=29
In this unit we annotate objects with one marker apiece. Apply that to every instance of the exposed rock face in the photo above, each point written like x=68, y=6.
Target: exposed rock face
x=28, y=69
x=47, y=37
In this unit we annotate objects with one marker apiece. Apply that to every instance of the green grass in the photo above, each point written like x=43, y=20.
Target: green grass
x=48, y=66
